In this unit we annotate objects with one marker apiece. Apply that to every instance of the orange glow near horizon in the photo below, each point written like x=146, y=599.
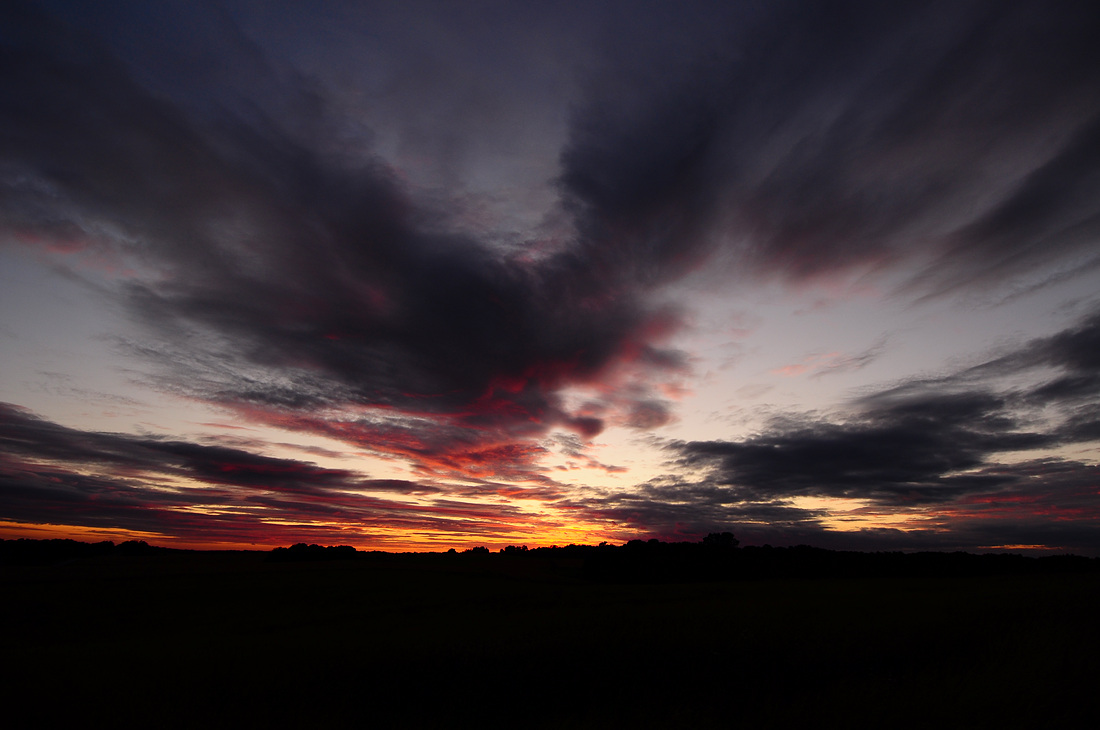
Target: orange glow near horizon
x=282, y=534
x=23, y=530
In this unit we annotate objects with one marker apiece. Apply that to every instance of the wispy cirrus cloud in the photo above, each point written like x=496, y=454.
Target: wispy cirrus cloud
x=832, y=363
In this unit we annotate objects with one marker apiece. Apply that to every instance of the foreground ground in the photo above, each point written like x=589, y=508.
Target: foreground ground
x=231, y=640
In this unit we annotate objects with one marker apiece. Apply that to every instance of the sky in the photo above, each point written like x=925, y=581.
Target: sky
x=421, y=275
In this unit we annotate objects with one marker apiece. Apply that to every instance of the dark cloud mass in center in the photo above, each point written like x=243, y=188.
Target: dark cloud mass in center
x=289, y=262
x=286, y=278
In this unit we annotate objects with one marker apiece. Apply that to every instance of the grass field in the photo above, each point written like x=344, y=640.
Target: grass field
x=227, y=639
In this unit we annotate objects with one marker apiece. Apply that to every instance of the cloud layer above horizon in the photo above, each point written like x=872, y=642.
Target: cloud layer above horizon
x=476, y=243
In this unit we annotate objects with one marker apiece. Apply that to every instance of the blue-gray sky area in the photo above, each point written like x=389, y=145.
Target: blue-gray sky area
x=416, y=275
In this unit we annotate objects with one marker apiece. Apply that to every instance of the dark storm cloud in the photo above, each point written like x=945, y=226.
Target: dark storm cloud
x=817, y=137
x=910, y=452
x=287, y=279
x=280, y=268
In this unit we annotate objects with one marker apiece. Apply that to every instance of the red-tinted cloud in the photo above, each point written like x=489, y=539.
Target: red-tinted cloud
x=211, y=494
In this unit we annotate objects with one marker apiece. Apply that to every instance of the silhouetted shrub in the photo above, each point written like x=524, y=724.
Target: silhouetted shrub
x=303, y=552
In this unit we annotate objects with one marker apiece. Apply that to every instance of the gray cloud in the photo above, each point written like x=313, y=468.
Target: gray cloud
x=937, y=446
x=286, y=279
x=922, y=440
x=819, y=138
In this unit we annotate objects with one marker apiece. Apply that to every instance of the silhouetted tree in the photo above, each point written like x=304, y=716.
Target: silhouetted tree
x=721, y=540
x=135, y=547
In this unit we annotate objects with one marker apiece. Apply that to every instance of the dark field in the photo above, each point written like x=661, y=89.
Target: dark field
x=229, y=639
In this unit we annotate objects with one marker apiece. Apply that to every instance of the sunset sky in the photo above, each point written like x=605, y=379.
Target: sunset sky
x=421, y=275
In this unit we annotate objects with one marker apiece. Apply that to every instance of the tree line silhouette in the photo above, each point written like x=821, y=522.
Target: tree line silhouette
x=717, y=557
x=25, y=551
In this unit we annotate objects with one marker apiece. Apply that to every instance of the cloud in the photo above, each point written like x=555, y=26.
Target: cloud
x=287, y=280
x=910, y=453
x=57, y=475
x=284, y=270
x=23, y=435
x=1047, y=504
x=820, y=139
x=926, y=440
x=819, y=365
x=956, y=453
x=674, y=509
x=1061, y=372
